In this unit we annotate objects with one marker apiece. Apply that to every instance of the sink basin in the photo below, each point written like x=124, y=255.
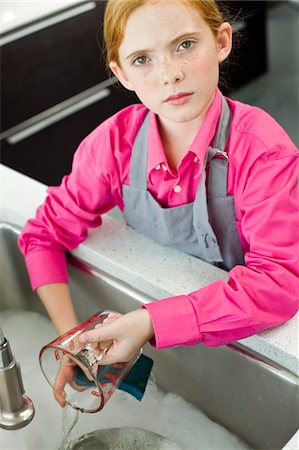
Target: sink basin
x=249, y=395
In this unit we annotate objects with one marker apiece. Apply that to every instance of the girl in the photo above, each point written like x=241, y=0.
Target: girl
x=210, y=176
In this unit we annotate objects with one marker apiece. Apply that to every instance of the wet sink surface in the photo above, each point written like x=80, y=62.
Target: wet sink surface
x=254, y=398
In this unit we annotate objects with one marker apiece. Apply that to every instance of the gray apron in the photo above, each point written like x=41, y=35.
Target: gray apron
x=205, y=228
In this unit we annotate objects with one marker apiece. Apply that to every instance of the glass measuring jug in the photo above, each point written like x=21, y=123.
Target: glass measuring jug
x=89, y=384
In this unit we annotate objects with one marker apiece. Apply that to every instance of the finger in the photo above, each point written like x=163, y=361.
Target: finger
x=103, y=346
x=64, y=375
x=59, y=396
x=112, y=316
x=108, y=358
x=118, y=354
x=58, y=389
x=99, y=334
x=113, y=358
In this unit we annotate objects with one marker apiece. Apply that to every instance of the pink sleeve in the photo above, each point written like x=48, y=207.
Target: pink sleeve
x=262, y=294
x=63, y=220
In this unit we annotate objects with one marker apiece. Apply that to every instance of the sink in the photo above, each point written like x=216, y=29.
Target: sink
x=254, y=398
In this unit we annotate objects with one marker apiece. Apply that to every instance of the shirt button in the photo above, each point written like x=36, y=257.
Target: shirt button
x=158, y=167
x=177, y=188
x=196, y=159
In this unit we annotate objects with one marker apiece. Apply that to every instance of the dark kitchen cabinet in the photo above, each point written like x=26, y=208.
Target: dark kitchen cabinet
x=248, y=59
x=44, y=68
x=47, y=155
x=43, y=75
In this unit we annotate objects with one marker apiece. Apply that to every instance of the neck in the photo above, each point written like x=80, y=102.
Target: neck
x=177, y=138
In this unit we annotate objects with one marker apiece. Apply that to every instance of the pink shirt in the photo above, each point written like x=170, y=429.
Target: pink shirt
x=262, y=177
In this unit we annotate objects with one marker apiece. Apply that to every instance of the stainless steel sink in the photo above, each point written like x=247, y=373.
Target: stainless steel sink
x=249, y=395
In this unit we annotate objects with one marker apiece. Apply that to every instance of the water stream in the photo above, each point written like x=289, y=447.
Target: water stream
x=69, y=421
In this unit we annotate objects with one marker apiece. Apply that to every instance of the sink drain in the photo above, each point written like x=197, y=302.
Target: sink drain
x=122, y=439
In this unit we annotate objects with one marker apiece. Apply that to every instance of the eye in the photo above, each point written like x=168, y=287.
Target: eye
x=185, y=45
x=140, y=60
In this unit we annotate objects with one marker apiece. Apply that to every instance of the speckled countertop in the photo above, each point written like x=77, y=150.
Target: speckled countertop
x=140, y=262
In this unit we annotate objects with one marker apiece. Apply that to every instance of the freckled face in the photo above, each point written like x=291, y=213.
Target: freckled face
x=170, y=58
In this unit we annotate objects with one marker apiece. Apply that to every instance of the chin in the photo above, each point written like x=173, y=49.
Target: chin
x=184, y=116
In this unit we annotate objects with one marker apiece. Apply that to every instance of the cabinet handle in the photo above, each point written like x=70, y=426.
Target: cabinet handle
x=58, y=112
x=25, y=30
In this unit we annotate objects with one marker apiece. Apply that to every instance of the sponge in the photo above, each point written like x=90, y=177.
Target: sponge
x=134, y=382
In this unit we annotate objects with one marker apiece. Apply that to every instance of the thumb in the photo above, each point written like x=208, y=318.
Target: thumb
x=100, y=333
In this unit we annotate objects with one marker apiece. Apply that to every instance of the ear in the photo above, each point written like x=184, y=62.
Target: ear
x=224, y=41
x=120, y=74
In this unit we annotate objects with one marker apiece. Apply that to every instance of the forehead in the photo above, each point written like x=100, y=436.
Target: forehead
x=157, y=22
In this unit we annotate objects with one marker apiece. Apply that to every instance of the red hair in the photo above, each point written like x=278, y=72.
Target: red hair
x=118, y=11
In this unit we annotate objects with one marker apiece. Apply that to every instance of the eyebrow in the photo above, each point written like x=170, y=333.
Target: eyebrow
x=185, y=35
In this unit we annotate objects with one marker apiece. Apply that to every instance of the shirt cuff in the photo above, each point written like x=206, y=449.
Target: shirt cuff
x=174, y=322
x=46, y=267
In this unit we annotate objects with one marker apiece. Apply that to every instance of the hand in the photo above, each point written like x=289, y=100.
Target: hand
x=68, y=366
x=65, y=375
x=126, y=335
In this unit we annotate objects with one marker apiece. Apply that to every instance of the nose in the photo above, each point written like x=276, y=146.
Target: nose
x=170, y=72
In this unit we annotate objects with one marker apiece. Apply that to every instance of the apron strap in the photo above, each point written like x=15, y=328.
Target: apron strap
x=138, y=163
x=223, y=130
x=218, y=167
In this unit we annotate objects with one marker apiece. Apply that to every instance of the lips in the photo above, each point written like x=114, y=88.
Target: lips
x=179, y=99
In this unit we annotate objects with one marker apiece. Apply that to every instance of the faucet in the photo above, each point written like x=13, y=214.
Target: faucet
x=16, y=409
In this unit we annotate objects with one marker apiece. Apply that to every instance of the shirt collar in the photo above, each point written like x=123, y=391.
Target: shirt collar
x=200, y=144
x=207, y=131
